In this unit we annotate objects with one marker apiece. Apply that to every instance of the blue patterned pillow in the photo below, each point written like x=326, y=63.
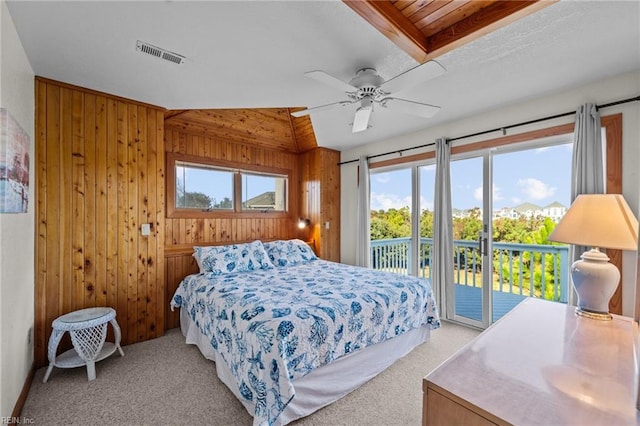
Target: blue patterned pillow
x=219, y=260
x=289, y=252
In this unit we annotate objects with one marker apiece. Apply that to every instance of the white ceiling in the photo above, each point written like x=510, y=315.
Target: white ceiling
x=243, y=54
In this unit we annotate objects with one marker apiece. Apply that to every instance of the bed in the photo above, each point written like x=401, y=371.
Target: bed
x=291, y=333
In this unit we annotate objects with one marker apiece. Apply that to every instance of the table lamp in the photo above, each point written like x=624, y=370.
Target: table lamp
x=597, y=221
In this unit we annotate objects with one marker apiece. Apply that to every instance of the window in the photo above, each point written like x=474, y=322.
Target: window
x=263, y=192
x=506, y=192
x=202, y=187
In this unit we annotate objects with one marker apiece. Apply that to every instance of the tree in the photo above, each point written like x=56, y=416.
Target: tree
x=191, y=199
x=426, y=224
x=380, y=229
x=467, y=228
x=510, y=230
x=194, y=200
x=393, y=223
x=396, y=223
x=226, y=203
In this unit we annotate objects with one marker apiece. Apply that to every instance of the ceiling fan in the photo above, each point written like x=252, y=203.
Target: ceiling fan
x=367, y=88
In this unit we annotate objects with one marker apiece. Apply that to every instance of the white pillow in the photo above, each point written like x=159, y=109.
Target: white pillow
x=232, y=258
x=289, y=252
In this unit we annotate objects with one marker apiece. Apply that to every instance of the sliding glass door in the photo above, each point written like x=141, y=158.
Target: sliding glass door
x=426, y=181
x=391, y=221
x=533, y=191
x=470, y=200
x=505, y=201
x=505, y=204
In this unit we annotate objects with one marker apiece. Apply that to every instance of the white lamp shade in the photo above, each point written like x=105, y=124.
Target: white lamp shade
x=598, y=220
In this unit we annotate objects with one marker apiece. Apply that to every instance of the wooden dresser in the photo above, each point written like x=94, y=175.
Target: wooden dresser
x=539, y=365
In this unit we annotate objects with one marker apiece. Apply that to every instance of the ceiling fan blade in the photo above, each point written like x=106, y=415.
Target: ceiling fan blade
x=413, y=77
x=410, y=107
x=321, y=108
x=330, y=80
x=363, y=114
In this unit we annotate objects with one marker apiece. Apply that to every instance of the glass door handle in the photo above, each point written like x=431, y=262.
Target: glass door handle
x=482, y=245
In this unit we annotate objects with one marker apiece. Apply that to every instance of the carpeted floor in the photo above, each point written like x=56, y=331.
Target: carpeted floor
x=166, y=382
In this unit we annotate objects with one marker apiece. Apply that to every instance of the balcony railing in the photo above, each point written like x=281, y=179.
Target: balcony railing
x=524, y=269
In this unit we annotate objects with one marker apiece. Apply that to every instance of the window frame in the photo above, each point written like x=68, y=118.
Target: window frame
x=237, y=168
x=245, y=173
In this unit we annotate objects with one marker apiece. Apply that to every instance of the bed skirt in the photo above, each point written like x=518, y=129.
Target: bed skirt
x=324, y=385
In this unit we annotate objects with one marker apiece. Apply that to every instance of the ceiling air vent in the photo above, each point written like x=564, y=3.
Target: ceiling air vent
x=149, y=49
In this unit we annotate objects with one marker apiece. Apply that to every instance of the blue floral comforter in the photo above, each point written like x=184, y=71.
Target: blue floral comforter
x=273, y=326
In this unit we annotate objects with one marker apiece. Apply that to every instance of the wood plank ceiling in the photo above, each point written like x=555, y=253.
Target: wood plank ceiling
x=426, y=29
x=273, y=128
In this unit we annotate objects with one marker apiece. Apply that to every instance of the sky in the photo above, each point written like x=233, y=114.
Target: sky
x=539, y=176
x=200, y=180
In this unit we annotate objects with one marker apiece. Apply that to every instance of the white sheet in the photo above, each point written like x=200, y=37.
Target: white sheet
x=326, y=384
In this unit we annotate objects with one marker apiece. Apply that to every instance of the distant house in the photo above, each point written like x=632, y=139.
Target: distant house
x=505, y=213
x=555, y=211
x=466, y=213
x=457, y=213
x=528, y=210
x=264, y=201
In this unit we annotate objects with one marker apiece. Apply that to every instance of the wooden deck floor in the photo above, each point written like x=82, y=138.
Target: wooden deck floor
x=469, y=302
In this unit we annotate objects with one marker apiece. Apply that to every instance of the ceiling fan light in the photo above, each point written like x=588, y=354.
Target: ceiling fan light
x=361, y=119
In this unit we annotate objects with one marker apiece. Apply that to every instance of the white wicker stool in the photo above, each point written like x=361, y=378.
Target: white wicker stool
x=88, y=330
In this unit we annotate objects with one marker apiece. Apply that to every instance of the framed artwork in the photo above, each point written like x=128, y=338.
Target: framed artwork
x=636, y=317
x=14, y=165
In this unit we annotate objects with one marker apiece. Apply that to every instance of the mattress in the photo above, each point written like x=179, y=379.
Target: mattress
x=268, y=330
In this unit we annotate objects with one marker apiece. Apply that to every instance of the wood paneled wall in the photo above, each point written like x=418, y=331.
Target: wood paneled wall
x=182, y=234
x=100, y=175
x=321, y=199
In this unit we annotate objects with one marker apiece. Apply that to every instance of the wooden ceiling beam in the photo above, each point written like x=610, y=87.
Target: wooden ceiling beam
x=385, y=17
x=303, y=133
x=293, y=129
x=484, y=21
x=173, y=113
x=388, y=18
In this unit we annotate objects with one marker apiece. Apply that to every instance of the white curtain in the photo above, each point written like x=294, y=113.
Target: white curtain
x=442, y=255
x=363, y=228
x=587, y=167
